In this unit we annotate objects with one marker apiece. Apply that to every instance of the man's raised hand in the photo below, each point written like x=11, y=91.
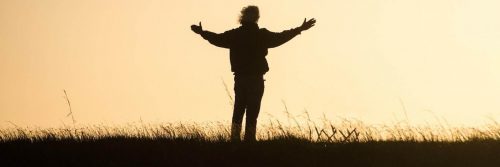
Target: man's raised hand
x=197, y=28
x=307, y=24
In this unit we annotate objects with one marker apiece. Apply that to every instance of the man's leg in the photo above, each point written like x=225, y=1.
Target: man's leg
x=240, y=103
x=254, y=98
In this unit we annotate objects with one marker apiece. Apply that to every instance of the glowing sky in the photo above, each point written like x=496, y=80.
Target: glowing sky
x=123, y=60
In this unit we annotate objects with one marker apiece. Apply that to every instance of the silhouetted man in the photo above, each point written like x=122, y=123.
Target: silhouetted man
x=248, y=46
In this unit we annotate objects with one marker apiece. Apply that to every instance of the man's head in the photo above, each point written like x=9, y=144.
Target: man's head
x=249, y=14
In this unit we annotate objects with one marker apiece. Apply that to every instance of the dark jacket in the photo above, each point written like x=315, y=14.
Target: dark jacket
x=248, y=46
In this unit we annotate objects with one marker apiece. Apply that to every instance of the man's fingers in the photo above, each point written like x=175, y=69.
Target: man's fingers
x=312, y=20
x=308, y=23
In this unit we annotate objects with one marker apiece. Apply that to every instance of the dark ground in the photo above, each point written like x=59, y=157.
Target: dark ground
x=168, y=152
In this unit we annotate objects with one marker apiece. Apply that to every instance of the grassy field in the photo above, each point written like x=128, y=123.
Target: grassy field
x=346, y=143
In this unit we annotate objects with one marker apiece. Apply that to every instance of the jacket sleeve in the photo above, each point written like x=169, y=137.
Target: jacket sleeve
x=273, y=39
x=222, y=40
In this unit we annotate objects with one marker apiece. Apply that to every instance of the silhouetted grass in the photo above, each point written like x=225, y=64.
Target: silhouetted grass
x=309, y=143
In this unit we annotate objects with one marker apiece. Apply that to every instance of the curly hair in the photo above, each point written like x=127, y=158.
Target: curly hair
x=249, y=14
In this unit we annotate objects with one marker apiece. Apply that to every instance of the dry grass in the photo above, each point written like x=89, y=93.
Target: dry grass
x=324, y=131
x=281, y=143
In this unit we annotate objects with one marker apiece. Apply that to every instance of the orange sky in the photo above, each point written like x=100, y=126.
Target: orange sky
x=123, y=60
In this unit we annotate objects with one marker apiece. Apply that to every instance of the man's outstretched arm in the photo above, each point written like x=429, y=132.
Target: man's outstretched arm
x=221, y=40
x=273, y=39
